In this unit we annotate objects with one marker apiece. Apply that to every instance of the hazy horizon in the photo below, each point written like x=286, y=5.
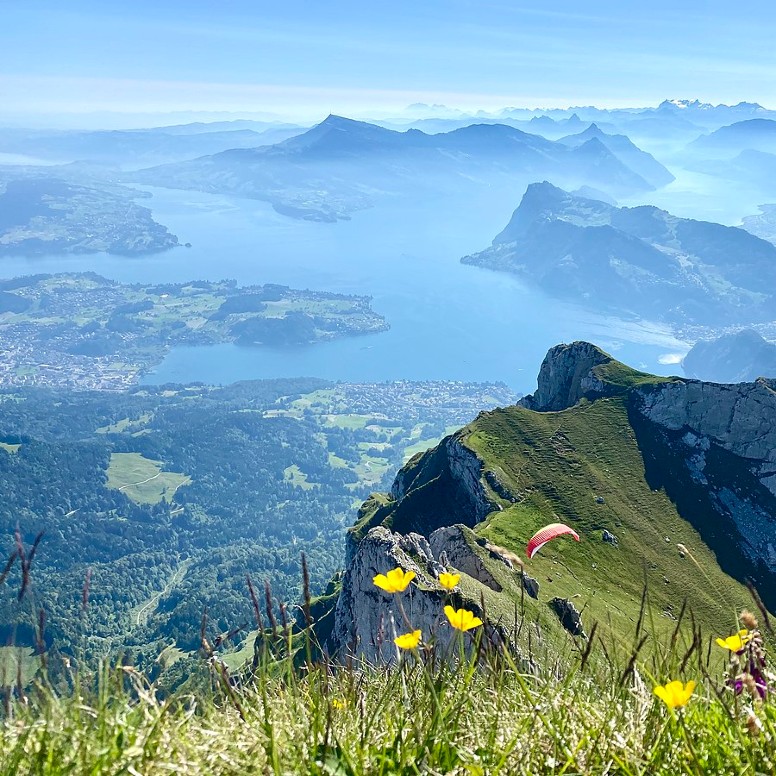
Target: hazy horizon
x=303, y=61
x=115, y=120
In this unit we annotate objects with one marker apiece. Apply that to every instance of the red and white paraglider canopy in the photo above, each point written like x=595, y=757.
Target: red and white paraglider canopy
x=547, y=534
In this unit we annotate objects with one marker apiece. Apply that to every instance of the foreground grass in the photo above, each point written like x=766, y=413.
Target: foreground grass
x=444, y=720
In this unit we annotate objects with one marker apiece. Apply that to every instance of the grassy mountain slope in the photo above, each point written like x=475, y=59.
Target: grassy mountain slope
x=596, y=467
x=563, y=471
x=592, y=465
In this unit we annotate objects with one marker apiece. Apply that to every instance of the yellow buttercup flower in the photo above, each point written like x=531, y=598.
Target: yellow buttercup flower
x=462, y=619
x=395, y=581
x=449, y=581
x=736, y=642
x=338, y=704
x=408, y=640
x=675, y=694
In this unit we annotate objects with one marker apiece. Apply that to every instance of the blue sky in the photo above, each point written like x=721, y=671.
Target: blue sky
x=310, y=58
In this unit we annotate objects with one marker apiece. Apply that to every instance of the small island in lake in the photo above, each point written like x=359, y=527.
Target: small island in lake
x=85, y=331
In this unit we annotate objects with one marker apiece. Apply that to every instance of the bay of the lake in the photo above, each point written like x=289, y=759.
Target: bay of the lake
x=448, y=321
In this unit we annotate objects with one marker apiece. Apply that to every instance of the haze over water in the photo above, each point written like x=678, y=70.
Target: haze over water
x=448, y=321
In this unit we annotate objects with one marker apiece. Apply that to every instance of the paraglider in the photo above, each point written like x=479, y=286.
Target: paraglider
x=546, y=534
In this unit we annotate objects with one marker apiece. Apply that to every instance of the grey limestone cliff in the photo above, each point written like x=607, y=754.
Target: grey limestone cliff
x=723, y=437
x=366, y=619
x=740, y=418
x=465, y=470
x=566, y=376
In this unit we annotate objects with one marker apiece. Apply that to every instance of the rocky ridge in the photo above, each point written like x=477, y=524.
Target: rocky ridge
x=694, y=417
x=701, y=451
x=567, y=375
x=641, y=260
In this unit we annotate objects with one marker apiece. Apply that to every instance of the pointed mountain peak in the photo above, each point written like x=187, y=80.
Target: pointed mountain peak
x=339, y=134
x=684, y=105
x=334, y=121
x=565, y=377
x=541, y=200
x=544, y=202
x=544, y=192
x=577, y=371
x=592, y=131
x=543, y=197
x=593, y=145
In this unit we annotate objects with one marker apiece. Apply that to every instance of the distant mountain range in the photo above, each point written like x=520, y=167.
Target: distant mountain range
x=700, y=112
x=729, y=141
x=538, y=125
x=341, y=165
x=141, y=147
x=757, y=168
x=640, y=259
x=732, y=358
x=743, y=153
x=628, y=153
x=674, y=121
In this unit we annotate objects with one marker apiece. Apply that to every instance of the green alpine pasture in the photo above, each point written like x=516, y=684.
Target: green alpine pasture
x=143, y=479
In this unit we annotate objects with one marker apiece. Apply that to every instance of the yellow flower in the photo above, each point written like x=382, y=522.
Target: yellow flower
x=462, y=619
x=736, y=642
x=675, y=694
x=449, y=581
x=395, y=581
x=408, y=640
x=338, y=704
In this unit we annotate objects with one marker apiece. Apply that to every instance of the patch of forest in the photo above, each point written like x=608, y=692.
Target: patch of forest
x=164, y=499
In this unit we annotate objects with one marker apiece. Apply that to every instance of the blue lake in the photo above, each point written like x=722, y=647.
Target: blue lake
x=448, y=321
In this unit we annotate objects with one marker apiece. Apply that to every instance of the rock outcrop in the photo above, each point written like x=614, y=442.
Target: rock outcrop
x=366, y=619
x=444, y=486
x=740, y=418
x=725, y=438
x=465, y=470
x=455, y=546
x=609, y=538
x=567, y=375
x=568, y=615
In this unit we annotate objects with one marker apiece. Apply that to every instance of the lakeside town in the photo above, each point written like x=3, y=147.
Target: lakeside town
x=83, y=331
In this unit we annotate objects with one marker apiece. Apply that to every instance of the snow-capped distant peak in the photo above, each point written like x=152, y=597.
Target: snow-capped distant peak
x=684, y=104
